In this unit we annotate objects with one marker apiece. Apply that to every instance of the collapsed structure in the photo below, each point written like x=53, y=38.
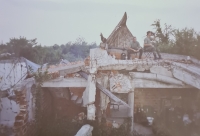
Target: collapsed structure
x=17, y=101
x=106, y=86
x=105, y=82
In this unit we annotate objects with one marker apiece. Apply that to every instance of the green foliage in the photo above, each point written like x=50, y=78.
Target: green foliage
x=163, y=34
x=186, y=42
x=72, y=51
x=178, y=41
x=40, y=77
x=22, y=47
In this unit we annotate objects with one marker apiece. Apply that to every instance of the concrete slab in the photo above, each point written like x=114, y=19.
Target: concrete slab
x=66, y=82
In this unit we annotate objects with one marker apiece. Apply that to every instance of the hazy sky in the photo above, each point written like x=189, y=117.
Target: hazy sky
x=61, y=21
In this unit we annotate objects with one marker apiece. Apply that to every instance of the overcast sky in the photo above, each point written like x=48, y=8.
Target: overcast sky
x=61, y=21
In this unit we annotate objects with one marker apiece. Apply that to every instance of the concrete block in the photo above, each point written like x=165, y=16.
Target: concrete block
x=91, y=109
x=85, y=130
x=90, y=91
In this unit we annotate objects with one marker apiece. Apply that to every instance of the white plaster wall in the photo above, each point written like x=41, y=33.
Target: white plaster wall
x=28, y=83
x=31, y=104
x=90, y=91
x=11, y=74
x=8, y=111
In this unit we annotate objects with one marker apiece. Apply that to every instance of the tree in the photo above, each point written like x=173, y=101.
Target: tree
x=30, y=50
x=163, y=34
x=186, y=42
x=179, y=41
x=21, y=47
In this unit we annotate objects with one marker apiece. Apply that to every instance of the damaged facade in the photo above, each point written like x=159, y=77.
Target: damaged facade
x=17, y=107
x=107, y=86
x=115, y=89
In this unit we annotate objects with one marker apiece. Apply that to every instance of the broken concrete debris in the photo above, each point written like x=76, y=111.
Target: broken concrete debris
x=138, y=87
x=85, y=130
x=91, y=109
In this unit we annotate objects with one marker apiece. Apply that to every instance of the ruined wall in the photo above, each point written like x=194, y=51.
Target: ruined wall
x=20, y=125
x=161, y=98
x=24, y=99
x=25, y=123
x=12, y=72
x=17, y=107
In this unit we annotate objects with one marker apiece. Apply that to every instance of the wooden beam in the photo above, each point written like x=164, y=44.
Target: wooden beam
x=105, y=91
x=111, y=95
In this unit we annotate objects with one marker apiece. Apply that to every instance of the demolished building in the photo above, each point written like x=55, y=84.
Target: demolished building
x=17, y=102
x=106, y=86
x=110, y=87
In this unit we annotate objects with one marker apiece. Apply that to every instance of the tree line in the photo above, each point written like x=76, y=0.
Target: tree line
x=177, y=41
x=184, y=41
x=31, y=50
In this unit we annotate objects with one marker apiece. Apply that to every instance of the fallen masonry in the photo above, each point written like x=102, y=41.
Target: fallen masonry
x=104, y=86
x=117, y=89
